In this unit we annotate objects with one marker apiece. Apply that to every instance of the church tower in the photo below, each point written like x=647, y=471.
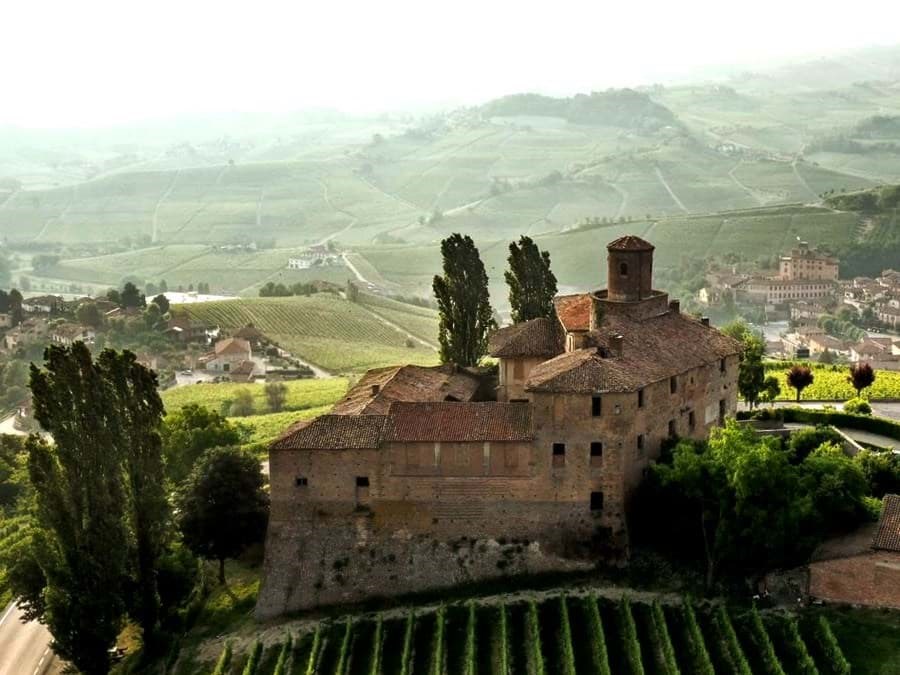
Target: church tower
x=630, y=269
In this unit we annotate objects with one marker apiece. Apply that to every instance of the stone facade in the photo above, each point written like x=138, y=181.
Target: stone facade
x=414, y=484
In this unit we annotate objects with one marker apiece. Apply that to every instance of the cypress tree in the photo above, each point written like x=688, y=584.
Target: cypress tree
x=463, y=302
x=532, y=284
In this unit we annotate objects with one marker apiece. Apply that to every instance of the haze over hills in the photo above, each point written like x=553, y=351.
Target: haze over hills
x=227, y=200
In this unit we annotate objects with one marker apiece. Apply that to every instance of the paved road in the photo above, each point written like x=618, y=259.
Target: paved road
x=25, y=648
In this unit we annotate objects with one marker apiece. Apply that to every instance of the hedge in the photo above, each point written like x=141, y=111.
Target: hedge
x=533, y=636
x=406, y=655
x=504, y=641
x=663, y=639
x=795, y=645
x=253, y=659
x=599, y=655
x=630, y=643
x=565, y=635
x=314, y=651
x=281, y=663
x=829, y=647
x=763, y=644
x=437, y=651
x=224, y=660
x=733, y=646
x=377, y=640
x=875, y=425
x=471, y=645
x=702, y=663
x=344, y=654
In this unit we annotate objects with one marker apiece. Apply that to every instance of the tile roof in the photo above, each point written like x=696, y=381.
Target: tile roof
x=538, y=337
x=232, y=346
x=333, y=432
x=887, y=538
x=653, y=349
x=459, y=422
x=630, y=243
x=406, y=383
x=574, y=311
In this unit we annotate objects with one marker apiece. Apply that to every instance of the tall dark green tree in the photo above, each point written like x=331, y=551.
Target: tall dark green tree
x=531, y=282
x=463, y=302
x=131, y=297
x=752, y=372
x=222, y=506
x=16, y=313
x=81, y=541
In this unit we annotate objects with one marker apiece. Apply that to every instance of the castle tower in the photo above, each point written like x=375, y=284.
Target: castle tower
x=630, y=269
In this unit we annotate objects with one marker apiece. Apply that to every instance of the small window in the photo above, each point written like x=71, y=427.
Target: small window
x=596, y=449
x=722, y=365
x=596, y=406
x=640, y=398
x=640, y=444
x=673, y=385
x=362, y=481
x=623, y=269
x=692, y=420
x=596, y=501
x=559, y=449
x=301, y=481
x=722, y=410
x=672, y=432
x=518, y=400
x=518, y=369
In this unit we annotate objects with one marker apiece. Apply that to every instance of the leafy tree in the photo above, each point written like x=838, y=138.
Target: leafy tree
x=81, y=542
x=222, y=506
x=162, y=302
x=803, y=441
x=532, y=284
x=242, y=405
x=800, y=377
x=276, y=395
x=836, y=486
x=752, y=373
x=12, y=451
x=16, y=313
x=882, y=471
x=152, y=316
x=4, y=301
x=771, y=389
x=861, y=376
x=187, y=433
x=131, y=297
x=826, y=357
x=89, y=314
x=163, y=286
x=463, y=302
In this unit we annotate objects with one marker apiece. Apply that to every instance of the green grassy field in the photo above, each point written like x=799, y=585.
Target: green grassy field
x=301, y=395
x=324, y=329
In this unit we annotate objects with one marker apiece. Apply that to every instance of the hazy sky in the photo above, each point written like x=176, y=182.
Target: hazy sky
x=94, y=62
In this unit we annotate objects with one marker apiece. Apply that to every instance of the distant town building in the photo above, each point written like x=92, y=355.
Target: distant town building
x=67, y=334
x=314, y=255
x=228, y=354
x=806, y=264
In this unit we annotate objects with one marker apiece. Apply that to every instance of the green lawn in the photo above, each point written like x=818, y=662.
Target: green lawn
x=870, y=639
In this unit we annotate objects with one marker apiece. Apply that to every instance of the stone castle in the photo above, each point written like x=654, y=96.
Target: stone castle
x=425, y=478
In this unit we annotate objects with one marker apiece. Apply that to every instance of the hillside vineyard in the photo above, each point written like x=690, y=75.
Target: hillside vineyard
x=424, y=478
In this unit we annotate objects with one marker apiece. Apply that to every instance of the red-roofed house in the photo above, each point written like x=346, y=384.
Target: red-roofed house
x=227, y=355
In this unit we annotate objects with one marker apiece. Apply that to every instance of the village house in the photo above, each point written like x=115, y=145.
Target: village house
x=882, y=353
x=862, y=568
x=423, y=478
x=312, y=256
x=28, y=331
x=182, y=328
x=5, y=320
x=43, y=304
x=67, y=334
x=807, y=264
x=227, y=355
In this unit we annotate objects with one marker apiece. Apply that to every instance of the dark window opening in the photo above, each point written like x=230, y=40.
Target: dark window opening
x=362, y=481
x=692, y=420
x=640, y=398
x=640, y=441
x=672, y=432
x=623, y=269
x=451, y=397
x=518, y=400
x=596, y=449
x=722, y=410
x=722, y=365
x=596, y=406
x=301, y=481
x=673, y=385
x=559, y=449
x=596, y=501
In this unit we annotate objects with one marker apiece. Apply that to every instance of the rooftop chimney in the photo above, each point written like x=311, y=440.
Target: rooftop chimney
x=675, y=306
x=704, y=320
x=616, y=344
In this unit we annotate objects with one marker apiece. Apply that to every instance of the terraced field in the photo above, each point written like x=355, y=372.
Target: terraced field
x=559, y=635
x=324, y=329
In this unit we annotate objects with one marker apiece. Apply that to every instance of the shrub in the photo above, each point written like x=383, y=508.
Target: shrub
x=858, y=406
x=763, y=644
x=804, y=441
x=829, y=647
x=253, y=660
x=876, y=425
x=565, y=630
x=344, y=654
x=282, y=663
x=733, y=647
x=630, y=643
x=599, y=656
x=663, y=639
x=224, y=660
x=533, y=637
x=697, y=646
x=406, y=654
x=882, y=471
x=377, y=640
x=314, y=651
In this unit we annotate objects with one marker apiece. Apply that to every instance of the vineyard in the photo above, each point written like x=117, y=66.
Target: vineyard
x=325, y=330
x=556, y=635
x=301, y=394
x=830, y=384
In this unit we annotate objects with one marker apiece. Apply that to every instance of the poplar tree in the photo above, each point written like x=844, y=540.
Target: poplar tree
x=531, y=282
x=463, y=302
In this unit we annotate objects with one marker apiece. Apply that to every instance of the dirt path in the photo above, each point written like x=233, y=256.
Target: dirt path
x=154, y=237
x=803, y=180
x=353, y=219
x=753, y=194
x=398, y=328
x=671, y=192
x=353, y=269
x=623, y=193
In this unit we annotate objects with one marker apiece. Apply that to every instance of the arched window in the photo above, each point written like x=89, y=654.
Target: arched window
x=623, y=269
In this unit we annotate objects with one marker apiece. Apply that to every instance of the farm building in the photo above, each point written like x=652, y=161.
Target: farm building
x=417, y=464
x=862, y=568
x=228, y=355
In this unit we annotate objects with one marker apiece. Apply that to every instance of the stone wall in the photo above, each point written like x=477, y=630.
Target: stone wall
x=871, y=578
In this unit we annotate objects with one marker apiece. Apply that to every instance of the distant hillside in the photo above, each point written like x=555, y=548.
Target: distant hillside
x=615, y=107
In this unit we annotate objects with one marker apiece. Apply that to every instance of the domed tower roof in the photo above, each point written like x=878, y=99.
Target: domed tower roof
x=629, y=243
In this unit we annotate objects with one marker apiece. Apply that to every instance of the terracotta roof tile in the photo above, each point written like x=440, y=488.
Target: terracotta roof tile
x=538, y=337
x=574, y=311
x=654, y=349
x=232, y=346
x=333, y=432
x=459, y=422
x=406, y=383
x=630, y=243
x=887, y=538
